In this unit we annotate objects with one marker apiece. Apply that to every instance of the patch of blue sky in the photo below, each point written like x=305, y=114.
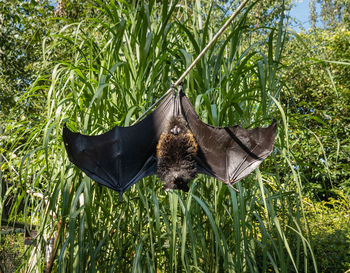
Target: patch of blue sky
x=301, y=13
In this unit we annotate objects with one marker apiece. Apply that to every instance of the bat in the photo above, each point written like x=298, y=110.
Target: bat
x=173, y=143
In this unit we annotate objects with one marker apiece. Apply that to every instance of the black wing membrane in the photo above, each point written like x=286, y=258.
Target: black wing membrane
x=231, y=153
x=123, y=155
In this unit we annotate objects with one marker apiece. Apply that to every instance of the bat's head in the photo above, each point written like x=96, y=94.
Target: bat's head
x=176, y=185
x=178, y=178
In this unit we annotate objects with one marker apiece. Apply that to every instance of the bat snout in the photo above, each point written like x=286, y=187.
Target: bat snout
x=170, y=186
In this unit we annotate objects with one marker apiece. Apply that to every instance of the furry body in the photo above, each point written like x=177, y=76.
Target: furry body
x=176, y=152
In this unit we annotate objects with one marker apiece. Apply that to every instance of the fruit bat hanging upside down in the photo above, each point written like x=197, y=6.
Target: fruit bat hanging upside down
x=173, y=143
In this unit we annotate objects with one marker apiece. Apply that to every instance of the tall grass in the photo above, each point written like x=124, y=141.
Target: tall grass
x=119, y=64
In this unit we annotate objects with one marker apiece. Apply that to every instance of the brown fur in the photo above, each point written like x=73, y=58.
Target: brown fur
x=176, y=152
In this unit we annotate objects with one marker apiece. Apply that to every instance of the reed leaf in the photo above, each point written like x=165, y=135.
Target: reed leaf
x=119, y=64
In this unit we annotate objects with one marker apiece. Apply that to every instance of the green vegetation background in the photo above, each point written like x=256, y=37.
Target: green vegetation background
x=97, y=64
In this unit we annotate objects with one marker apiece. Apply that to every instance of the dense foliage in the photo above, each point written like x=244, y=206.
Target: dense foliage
x=96, y=64
x=318, y=82
x=332, y=14
x=22, y=31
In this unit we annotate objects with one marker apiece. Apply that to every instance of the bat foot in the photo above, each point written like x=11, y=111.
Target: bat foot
x=179, y=89
x=176, y=130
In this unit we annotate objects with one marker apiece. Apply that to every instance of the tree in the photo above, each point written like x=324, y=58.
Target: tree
x=333, y=13
x=23, y=27
x=318, y=80
x=116, y=66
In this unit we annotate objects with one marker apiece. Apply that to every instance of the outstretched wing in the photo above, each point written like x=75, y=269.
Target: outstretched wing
x=231, y=153
x=124, y=155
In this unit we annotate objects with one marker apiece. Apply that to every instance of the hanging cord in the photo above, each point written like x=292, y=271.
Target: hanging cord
x=217, y=35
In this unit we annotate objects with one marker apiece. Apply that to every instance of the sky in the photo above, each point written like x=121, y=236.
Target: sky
x=301, y=12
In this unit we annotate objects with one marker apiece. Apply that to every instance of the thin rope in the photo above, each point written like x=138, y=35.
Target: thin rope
x=217, y=35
